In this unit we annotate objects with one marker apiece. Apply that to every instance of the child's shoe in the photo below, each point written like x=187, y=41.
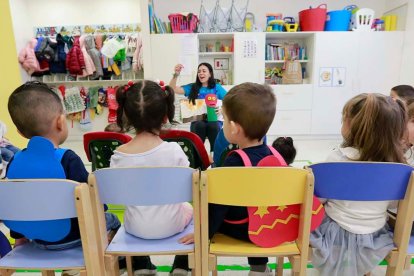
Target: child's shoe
x=179, y=272
x=143, y=267
x=72, y=272
x=267, y=272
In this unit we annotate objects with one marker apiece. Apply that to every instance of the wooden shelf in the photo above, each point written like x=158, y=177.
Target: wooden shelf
x=206, y=54
x=283, y=61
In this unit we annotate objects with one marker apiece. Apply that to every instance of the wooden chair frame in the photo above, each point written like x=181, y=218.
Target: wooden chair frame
x=226, y=181
x=111, y=260
x=93, y=259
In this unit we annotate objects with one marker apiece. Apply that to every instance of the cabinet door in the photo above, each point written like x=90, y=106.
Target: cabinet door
x=337, y=54
x=249, y=57
x=379, y=62
x=167, y=50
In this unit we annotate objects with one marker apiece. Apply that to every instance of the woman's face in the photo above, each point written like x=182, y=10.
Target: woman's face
x=203, y=74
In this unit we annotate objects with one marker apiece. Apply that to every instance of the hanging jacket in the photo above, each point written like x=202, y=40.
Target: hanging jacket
x=94, y=54
x=138, y=58
x=69, y=42
x=75, y=62
x=58, y=62
x=27, y=57
x=89, y=65
x=44, y=50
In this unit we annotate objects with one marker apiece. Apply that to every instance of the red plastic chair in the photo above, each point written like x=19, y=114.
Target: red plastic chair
x=192, y=146
x=99, y=146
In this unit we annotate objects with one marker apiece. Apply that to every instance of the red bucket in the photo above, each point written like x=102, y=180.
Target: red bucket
x=313, y=19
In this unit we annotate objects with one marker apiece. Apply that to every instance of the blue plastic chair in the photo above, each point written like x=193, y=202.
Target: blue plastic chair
x=372, y=181
x=146, y=186
x=49, y=199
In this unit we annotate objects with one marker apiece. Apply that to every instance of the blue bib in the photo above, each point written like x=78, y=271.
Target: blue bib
x=39, y=160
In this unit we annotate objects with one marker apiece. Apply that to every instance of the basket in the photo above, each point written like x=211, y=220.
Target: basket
x=313, y=19
x=183, y=24
x=338, y=20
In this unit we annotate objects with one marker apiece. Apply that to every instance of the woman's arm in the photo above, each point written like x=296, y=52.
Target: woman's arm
x=173, y=81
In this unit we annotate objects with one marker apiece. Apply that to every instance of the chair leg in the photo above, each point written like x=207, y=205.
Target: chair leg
x=48, y=273
x=83, y=273
x=394, y=270
x=111, y=265
x=130, y=270
x=215, y=272
x=6, y=272
x=279, y=269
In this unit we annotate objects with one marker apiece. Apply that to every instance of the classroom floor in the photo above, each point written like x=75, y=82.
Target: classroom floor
x=308, y=151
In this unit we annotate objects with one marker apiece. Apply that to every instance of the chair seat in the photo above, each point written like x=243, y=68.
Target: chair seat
x=223, y=245
x=29, y=256
x=128, y=245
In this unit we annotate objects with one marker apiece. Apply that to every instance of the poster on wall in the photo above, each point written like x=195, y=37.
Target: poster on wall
x=332, y=76
x=325, y=77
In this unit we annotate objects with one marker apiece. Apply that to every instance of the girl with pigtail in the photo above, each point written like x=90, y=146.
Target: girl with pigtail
x=353, y=237
x=145, y=106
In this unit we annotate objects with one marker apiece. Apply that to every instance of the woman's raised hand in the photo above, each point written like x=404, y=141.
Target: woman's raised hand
x=178, y=68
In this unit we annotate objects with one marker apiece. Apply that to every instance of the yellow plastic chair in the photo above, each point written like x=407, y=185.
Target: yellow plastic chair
x=256, y=187
x=146, y=186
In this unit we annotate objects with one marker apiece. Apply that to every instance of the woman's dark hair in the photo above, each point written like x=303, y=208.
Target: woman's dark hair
x=195, y=88
x=144, y=106
x=284, y=145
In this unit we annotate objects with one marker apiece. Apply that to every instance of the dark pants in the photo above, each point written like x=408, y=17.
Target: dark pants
x=206, y=129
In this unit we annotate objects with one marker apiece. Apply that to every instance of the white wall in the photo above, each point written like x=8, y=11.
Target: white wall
x=260, y=7
x=407, y=69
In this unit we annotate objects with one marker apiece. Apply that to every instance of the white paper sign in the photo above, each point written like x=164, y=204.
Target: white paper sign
x=250, y=48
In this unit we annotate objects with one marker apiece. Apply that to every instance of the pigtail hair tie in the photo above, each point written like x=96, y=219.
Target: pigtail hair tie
x=128, y=85
x=161, y=84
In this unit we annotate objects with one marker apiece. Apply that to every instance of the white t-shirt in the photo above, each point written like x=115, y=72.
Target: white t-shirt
x=154, y=222
x=358, y=217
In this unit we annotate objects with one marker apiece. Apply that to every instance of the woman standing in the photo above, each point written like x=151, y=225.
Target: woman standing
x=204, y=84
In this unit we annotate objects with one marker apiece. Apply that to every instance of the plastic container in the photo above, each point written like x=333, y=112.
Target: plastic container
x=183, y=24
x=338, y=20
x=313, y=19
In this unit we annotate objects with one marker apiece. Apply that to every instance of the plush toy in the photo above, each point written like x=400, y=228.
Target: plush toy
x=211, y=103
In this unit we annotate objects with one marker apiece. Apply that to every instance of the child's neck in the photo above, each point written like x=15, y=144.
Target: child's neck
x=142, y=142
x=247, y=143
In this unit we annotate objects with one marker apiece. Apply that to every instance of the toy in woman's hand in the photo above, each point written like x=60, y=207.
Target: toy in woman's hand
x=211, y=103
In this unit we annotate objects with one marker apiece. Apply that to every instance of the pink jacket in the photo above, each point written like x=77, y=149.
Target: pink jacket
x=27, y=57
x=89, y=65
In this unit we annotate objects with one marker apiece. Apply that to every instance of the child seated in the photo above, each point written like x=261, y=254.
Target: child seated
x=284, y=145
x=403, y=92
x=353, y=237
x=145, y=106
x=248, y=111
x=6, y=148
x=38, y=114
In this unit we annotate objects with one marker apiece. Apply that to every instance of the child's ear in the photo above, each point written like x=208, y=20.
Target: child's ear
x=165, y=120
x=234, y=128
x=61, y=122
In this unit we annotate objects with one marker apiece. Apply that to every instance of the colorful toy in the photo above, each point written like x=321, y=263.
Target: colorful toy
x=211, y=103
x=290, y=24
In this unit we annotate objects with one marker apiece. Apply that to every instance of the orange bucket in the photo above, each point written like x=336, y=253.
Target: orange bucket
x=313, y=19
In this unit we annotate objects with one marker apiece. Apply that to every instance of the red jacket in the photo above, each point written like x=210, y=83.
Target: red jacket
x=74, y=59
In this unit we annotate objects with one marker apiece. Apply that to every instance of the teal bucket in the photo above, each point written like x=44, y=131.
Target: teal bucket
x=338, y=20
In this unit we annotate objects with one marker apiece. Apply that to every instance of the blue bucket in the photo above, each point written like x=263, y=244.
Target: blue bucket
x=338, y=20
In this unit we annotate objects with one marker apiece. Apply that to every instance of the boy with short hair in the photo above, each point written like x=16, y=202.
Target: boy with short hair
x=248, y=111
x=38, y=113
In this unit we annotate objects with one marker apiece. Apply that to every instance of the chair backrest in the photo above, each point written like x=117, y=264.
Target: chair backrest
x=374, y=181
x=192, y=146
x=99, y=146
x=32, y=200
x=364, y=19
x=145, y=186
x=235, y=186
